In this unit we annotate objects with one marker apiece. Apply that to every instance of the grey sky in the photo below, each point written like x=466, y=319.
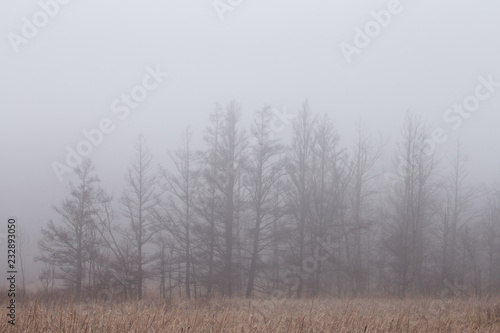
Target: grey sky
x=276, y=52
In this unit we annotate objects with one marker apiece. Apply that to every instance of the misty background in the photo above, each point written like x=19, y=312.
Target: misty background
x=278, y=53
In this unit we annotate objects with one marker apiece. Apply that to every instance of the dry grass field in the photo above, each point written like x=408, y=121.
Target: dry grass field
x=240, y=315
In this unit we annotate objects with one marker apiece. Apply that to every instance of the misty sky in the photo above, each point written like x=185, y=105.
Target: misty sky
x=66, y=78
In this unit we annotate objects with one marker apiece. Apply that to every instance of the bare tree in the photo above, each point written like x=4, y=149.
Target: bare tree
x=365, y=155
x=164, y=262
x=68, y=246
x=138, y=202
x=118, y=255
x=230, y=156
x=47, y=277
x=298, y=190
x=224, y=158
x=412, y=207
x=264, y=170
x=328, y=188
x=209, y=199
x=491, y=237
x=178, y=215
x=22, y=238
x=455, y=213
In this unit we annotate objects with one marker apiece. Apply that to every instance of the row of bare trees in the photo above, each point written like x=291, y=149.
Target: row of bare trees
x=251, y=214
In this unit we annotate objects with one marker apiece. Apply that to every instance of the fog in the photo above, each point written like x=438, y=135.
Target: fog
x=72, y=73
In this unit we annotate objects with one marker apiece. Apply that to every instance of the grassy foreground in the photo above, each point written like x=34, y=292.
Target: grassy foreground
x=239, y=315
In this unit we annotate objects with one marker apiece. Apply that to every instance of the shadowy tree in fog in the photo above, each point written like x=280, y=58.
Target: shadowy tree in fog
x=47, y=277
x=68, y=245
x=218, y=197
x=21, y=242
x=178, y=214
x=209, y=201
x=412, y=208
x=455, y=213
x=298, y=189
x=138, y=202
x=328, y=186
x=364, y=157
x=164, y=262
x=264, y=169
x=230, y=156
x=118, y=257
x=491, y=237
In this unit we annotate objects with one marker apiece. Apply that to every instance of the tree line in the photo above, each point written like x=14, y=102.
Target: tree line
x=252, y=215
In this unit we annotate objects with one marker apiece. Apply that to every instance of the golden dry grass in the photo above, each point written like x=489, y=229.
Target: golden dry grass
x=239, y=315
